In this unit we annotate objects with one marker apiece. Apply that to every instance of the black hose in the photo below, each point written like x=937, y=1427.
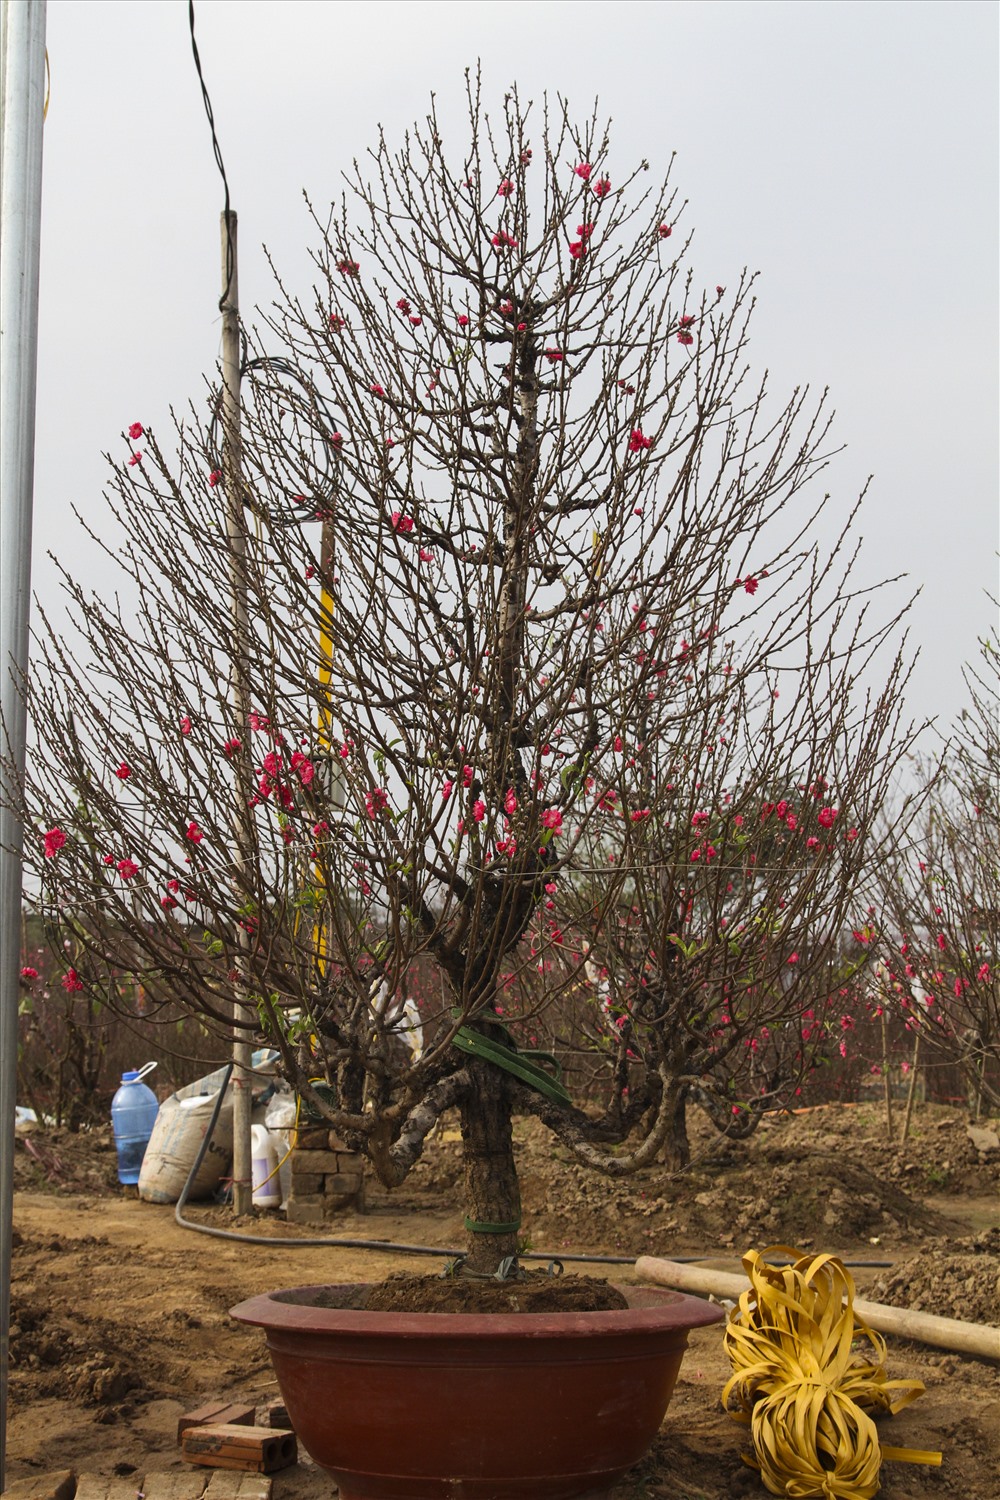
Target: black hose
x=395, y=1246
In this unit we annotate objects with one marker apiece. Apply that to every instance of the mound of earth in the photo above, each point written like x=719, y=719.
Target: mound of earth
x=70, y=1161
x=54, y=1352
x=962, y=1281
x=775, y=1197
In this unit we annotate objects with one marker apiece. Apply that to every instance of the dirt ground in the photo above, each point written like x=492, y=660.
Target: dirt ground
x=119, y=1315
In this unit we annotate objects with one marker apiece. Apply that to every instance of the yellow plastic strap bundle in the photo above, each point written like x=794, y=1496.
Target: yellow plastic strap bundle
x=807, y=1400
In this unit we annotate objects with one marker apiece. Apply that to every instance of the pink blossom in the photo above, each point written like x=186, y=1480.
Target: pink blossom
x=510, y=803
x=504, y=241
x=983, y=973
x=577, y=249
x=303, y=766
x=637, y=441
x=463, y=321
x=214, y=478
x=232, y=747
x=376, y=389
x=194, y=834
x=583, y=170
x=685, y=336
x=337, y=322
x=28, y=972
x=507, y=308
x=602, y=188
x=168, y=903
x=123, y=772
x=376, y=800
x=185, y=725
x=54, y=841
x=751, y=585
x=505, y=189
x=136, y=431
x=426, y=555
x=336, y=438
x=127, y=869
x=554, y=355
x=793, y=958
x=415, y=321
x=640, y=814
x=135, y=459
x=71, y=982
x=552, y=819
x=826, y=817
x=400, y=522
x=812, y=842
x=467, y=774
x=851, y=835
x=403, y=305
x=446, y=789
x=348, y=267
x=665, y=231
x=479, y=810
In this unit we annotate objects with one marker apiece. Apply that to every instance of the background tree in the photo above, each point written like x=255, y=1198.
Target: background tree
x=524, y=554
x=941, y=898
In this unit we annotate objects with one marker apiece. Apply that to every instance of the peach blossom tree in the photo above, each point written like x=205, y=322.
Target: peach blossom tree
x=539, y=599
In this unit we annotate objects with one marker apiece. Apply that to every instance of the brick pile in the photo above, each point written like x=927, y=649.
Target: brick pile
x=326, y=1177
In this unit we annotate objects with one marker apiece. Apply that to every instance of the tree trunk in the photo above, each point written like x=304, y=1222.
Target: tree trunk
x=491, y=1187
x=676, y=1152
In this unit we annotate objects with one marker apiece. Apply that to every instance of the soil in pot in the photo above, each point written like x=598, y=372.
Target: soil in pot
x=536, y=1292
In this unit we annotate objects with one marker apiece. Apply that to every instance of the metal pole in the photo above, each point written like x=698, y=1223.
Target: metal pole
x=232, y=478
x=22, y=94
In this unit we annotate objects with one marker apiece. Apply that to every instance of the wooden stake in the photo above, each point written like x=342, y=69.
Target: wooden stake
x=911, y=1091
x=886, y=1079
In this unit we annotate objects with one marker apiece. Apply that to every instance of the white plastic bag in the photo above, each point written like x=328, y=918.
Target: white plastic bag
x=177, y=1136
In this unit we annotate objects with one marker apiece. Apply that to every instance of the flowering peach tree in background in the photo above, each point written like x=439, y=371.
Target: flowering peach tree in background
x=940, y=918
x=554, y=685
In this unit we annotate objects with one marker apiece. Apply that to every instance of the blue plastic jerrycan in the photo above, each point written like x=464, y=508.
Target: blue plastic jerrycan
x=133, y=1114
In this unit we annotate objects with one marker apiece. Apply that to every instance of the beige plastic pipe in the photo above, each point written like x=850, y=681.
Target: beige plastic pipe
x=977, y=1339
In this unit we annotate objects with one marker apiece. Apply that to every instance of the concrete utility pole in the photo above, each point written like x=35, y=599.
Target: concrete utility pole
x=22, y=96
x=232, y=479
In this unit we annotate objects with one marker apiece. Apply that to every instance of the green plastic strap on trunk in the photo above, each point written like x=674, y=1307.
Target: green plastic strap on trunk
x=476, y=1226
x=467, y=1040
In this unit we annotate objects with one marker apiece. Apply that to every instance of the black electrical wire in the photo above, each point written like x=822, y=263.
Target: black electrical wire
x=391, y=1246
x=230, y=256
x=309, y=401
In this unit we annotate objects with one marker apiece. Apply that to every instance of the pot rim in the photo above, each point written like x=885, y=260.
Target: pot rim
x=663, y=1310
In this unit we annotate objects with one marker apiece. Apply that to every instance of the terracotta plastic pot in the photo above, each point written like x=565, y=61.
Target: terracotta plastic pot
x=459, y=1406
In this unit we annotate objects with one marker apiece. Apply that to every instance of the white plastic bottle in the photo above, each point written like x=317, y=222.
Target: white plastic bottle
x=266, y=1187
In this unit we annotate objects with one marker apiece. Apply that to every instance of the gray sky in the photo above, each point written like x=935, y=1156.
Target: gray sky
x=846, y=151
